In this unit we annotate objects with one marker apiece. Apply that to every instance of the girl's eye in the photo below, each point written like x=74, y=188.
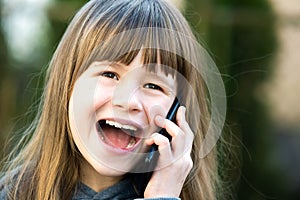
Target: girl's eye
x=152, y=86
x=111, y=75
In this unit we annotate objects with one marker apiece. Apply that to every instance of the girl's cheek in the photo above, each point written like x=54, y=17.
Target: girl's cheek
x=81, y=96
x=102, y=94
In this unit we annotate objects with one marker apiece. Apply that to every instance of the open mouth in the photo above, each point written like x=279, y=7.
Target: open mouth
x=118, y=135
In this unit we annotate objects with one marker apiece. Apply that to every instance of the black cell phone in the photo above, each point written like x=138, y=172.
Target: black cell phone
x=142, y=179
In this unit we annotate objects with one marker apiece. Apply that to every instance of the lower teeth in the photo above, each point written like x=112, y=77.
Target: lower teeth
x=131, y=143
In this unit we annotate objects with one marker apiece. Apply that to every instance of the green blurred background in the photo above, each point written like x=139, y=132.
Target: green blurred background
x=255, y=43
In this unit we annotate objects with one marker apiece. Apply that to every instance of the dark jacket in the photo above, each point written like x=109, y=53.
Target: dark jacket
x=123, y=190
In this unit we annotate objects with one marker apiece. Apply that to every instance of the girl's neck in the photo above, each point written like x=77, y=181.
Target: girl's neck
x=94, y=180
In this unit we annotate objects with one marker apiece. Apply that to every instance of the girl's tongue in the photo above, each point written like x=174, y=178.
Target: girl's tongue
x=117, y=137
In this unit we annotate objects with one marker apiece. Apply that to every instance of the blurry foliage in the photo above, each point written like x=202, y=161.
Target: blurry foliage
x=6, y=109
x=241, y=35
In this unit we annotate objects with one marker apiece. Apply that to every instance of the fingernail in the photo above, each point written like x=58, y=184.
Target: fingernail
x=159, y=120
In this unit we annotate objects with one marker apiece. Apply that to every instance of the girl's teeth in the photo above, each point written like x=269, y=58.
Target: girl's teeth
x=118, y=125
x=131, y=143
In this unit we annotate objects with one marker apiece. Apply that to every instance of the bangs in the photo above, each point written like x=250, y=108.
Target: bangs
x=161, y=49
x=156, y=60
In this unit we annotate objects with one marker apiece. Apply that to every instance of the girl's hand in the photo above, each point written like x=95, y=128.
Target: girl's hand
x=174, y=162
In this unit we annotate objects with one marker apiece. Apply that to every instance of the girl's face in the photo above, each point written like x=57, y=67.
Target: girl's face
x=112, y=109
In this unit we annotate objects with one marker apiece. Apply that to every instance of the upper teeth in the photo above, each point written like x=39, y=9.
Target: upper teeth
x=118, y=125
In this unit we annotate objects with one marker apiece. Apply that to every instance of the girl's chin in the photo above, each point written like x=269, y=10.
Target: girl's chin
x=117, y=162
x=111, y=172
x=110, y=167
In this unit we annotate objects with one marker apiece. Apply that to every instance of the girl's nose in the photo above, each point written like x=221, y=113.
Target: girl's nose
x=126, y=97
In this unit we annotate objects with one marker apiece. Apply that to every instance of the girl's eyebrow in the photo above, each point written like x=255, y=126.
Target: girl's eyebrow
x=101, y=64
x=112, y=64
x=108, y=64
x=168, y=80
x=116, y=64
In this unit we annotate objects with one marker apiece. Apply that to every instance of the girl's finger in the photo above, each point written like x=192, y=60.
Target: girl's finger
x=170, y=126
x=182, y=135
x=174, y=129
x=164, y=148
x=182, y=123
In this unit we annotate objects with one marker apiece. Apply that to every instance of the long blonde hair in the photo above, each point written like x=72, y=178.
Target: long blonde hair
x=48, y=167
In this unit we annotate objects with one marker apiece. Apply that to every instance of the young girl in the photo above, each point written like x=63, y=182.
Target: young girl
x=110, y=84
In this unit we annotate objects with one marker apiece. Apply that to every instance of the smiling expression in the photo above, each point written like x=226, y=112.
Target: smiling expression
x=111, y=112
